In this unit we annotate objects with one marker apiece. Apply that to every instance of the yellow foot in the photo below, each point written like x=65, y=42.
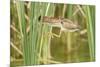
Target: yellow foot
x=53, y=34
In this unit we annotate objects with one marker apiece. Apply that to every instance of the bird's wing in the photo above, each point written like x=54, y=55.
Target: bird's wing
x=67, y=20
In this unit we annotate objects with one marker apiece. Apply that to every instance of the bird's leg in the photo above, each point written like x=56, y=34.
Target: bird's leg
x=58, y=34
x=53, y=34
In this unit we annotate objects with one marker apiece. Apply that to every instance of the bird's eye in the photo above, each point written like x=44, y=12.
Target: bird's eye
x=39, y=18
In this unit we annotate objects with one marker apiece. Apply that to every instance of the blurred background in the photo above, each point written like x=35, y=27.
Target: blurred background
x=30, y=43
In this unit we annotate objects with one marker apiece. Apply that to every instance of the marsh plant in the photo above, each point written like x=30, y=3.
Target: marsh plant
x=51, y=33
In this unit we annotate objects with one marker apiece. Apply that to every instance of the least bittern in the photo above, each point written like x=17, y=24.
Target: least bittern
x=65, y=24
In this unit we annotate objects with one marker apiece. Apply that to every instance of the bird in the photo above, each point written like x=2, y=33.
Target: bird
x=66, y=25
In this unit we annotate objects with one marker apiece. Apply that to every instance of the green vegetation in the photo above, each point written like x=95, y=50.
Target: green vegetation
x=32, y=45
